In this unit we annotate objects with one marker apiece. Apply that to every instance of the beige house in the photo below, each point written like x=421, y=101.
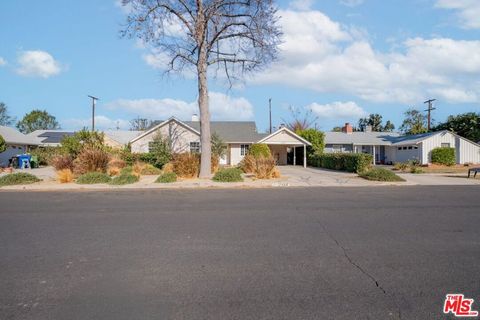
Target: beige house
x=286, y=146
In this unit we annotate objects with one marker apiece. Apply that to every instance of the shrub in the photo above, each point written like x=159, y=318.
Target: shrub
x=401, y=166
x=129, y=157
x=248, y=164
x=416, y=170
x=445, y=156
x=64, y=176
x=261, y=167
x=228, y=175
x=259, y=150
x=93, y=178
x=316, y=138
x=115, y=165
x=351, y=162
x=18, y=178
x=149, y=170
x=380, y=174
x=186, y=165
x=167, y=178
x=215, y=163
x=91, y=159
x=45, y=155
x=3, y=144
x=160, y=152
x=61, y=162
x=154, y=159
x=167, y=168
x=124, y=179
x=73, y=145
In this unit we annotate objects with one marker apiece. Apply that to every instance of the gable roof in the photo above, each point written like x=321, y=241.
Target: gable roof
x=122, y=136
x=285, y=129
x=365, y=138
x=12, y=136
x=229, y=131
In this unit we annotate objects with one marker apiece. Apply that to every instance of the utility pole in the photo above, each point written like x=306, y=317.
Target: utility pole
x=429, y=110
x=270, y=111
x=94, y=101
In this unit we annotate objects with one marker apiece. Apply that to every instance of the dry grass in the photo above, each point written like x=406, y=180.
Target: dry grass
x=113, y=171
x=91, y=159
x=62, y=162
x=261, y=167
x=168, y=168
x=215, y=165
x=186, y=165
x=435, y=168
x=65, y=176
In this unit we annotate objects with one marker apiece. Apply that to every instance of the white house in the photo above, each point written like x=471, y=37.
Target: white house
x=286, y=146
x=17, y=143
x=389, y=147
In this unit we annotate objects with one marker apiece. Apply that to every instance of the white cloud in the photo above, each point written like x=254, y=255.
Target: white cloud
x=301, y=4
x=37, y=63
x=351, y=3
x=222, y=107
x=337, y=110
x=322, y=55
x=2, y=62
x=101, y=123
x=468, y=11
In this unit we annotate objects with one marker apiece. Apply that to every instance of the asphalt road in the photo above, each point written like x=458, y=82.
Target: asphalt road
x=318, y=253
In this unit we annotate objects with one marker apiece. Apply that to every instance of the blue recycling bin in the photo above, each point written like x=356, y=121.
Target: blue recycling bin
x=24, y=161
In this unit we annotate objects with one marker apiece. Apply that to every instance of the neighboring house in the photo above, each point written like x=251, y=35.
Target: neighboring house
x=237, y=135
x=50, y=138
x=389, y=147
x=119, y=138
x=17, y=143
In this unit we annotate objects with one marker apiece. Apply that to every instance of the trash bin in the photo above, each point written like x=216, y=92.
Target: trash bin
x=24, y=161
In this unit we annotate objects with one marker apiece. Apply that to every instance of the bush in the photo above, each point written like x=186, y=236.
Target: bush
x=215, y=163
x=261, y=167
x=124, y=179
x=401, y=166
x=168, y=168
x=149, y=170
x=228, y=175
x=259, y=150
x=91, y=159
x=416, y=170
x=3, y=144
x=93, y=178
x=115, y=165
x=186, y=165
x=45, y=155
x=167, y=178
x=154, y=159
x=316, y=138
x=129, y=157
x=64, y=176
x=445, y=156
x=74, y=145
x=351, y=162
x=62, y=162
x=18, y=178
x=380, y=174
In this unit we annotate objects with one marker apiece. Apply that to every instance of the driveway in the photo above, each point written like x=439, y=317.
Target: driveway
x=302, y=253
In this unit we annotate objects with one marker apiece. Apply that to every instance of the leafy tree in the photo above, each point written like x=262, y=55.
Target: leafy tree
x=300, y=119
x=37, y=120
x=234, y=37
x=5, y=118
x=140, y=124
x=3, y=144
x=466, y=125
x=316, y=138
x=376, y=122
x=218, y=146
x=389, y=126
x=337, y=129
x=415, y=122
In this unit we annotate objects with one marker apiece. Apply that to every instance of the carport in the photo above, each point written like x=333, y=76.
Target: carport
x=282, y=140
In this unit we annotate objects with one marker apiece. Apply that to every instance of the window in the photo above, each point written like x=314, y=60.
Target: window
x=404, y=148
x=415, y=147
x=337, y=148
x=410, y=148
x=445, y=145
x=399, y=148
x=195, y=147
x=244, y=149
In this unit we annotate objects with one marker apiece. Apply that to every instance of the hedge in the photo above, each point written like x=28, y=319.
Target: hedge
x=351, y=162
x=445, y=156
x=228, y=175
x=380, y=174
x=258, y=150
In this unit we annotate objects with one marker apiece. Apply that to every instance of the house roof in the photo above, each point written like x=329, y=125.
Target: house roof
x=290, y=132
x=415, y=138
x=13, y=136
x=365, y=138
x=122, y=136
x=229, y=131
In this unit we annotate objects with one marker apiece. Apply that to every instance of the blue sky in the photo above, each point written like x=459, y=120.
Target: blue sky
x=340, y=58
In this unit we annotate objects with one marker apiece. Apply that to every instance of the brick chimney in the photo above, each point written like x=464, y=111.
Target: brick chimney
x=347, y=128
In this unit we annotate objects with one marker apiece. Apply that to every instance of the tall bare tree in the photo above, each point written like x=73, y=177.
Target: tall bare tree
x=236, y=36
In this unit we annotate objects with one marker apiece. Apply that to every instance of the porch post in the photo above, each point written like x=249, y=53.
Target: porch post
x=374, y=163
x=304, y=156
x=294, y=156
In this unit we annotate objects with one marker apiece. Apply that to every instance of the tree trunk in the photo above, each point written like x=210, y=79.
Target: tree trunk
x=205, y=134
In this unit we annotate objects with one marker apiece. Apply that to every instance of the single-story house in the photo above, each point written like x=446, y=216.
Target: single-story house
x=119, y=138
x=237, y=135
x=390, y=147
x=17, y=143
